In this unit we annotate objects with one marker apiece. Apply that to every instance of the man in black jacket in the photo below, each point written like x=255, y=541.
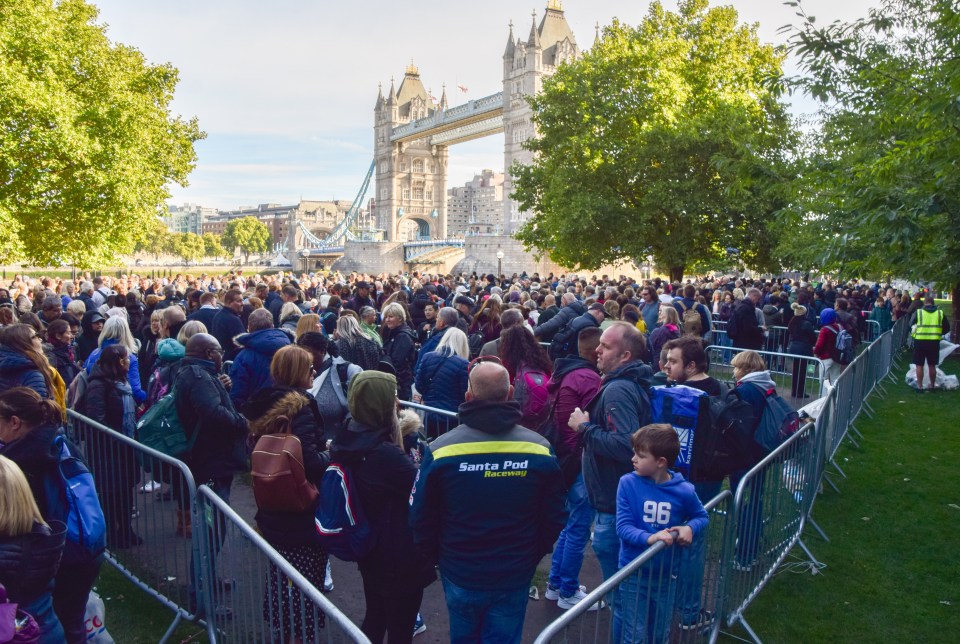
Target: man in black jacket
x=571, y=309
x=227, y=324
x=744, y=329
x=211, y=423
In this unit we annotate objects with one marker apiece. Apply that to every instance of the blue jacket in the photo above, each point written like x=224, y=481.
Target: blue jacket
x=16, y=370
x=548, y=329
x=442, y=379
x=133, y=373
x=429, y=346
x=677, y=503
x=488, y=501
x=621, y=408
x=250, y=371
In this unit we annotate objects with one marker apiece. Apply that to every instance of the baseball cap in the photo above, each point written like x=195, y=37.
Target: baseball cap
x=596, y=306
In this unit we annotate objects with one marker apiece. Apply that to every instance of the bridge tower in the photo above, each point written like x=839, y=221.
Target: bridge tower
x=525, y=64
x=411, y=177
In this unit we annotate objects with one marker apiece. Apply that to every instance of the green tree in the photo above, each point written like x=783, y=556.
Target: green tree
x=88, y=144
x=881, y=191
x=189, y=246
x=212, y=246
x=666, y=139
x=154, y=238
x=249, y=234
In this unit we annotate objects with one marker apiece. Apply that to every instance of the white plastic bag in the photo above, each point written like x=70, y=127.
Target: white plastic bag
x=95, y=621
x=943, y=380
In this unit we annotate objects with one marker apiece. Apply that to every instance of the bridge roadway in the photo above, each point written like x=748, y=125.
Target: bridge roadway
x=474, y=119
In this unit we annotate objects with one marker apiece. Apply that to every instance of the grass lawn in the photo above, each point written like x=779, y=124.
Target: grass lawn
x=892, y=567
x=132, y=616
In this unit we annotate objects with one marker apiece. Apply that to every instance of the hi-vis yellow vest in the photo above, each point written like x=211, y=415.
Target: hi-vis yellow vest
x=929, y=325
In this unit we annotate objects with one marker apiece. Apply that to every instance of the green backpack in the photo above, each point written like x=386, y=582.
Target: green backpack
x=160, y=428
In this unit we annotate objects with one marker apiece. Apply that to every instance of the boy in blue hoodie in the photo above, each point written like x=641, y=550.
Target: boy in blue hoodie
x=653, y=504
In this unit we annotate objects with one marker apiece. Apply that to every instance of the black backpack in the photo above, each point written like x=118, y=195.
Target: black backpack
x=560, y=345
x=476, y=344
x=730, y=445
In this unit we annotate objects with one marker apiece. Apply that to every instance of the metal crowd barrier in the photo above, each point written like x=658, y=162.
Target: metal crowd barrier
x=784, y=368
x=873, y=331
x=256, y=594
x=147, y=538
x=436, y=422
x=770, y=510
x=646, y=587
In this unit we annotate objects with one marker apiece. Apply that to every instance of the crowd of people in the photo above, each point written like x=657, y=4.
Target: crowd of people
x=554, y=444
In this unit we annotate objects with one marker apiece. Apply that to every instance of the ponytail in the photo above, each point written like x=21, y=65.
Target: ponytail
x=27, y=405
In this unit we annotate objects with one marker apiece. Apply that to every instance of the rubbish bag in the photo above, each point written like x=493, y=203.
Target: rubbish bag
x=95, y=621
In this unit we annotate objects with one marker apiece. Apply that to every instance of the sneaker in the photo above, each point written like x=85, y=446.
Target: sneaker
x=419, y=626
x=566, y=603
x=704, y=618
x=149, y=486
x=553, y=593
x=328, y=580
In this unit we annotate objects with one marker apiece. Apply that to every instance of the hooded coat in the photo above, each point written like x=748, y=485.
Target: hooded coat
x=29, y=563
x=384, y=476
x=290, y=529
x=133, y=372
x=621, y=408
x=574, y=383
x=87, y=340
x=489, y=501
x=250, y=371
x=16, y=370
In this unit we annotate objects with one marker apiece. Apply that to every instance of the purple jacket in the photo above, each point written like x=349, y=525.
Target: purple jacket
x=574, y=383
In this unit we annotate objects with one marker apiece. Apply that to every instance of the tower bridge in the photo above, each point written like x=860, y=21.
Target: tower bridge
x=412, y=136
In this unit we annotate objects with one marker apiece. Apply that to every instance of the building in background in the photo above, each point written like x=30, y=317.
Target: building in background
x=476, y=208
x=319, y=217
x=188, y=218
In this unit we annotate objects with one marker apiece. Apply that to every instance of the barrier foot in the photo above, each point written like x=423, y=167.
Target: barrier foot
x=882, y=389
x=831, y=483
x=172, y=628
x=857, y=432
x=746, y=627
x=813, y=524
x=853, y=440
x=814, y=562
x=834, y=463
x=868, y=409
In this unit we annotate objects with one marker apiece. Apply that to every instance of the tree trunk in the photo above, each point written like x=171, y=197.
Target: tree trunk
x=955, y=315
x=676, y=274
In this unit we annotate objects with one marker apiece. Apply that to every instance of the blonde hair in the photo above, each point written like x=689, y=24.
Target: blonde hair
x=288, y=310
x=747, y=362
x=669, y=315
x=290, y=366
x=18, y=508
x=395, y=310
x=455, y=341
x=117, y=328
x=308, y=323
x=190, y=329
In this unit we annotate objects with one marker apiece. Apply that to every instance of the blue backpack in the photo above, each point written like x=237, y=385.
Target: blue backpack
x=72, y=498
x=342, y=525
x=688, y=410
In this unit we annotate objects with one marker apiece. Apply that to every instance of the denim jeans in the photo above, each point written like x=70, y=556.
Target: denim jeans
x=41, y=608
x=485, y=615
x=606, y=545
x=693, y=560
x=568, y=553
x=646, y=607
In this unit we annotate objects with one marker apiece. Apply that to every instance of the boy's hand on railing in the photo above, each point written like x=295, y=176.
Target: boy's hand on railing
x=667, y=536
x=684, y=534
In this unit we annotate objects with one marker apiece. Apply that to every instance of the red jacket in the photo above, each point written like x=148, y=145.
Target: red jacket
x=826, y=341
x=574, y=383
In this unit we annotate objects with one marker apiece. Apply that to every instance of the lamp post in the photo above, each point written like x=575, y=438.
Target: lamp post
x=305, y=257
x=499, y=264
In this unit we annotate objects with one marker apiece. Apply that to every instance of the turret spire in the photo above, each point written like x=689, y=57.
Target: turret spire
x=534, y=39
x=511, y=48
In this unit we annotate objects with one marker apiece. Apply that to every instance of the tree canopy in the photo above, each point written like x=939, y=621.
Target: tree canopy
x=880, y=189
x=249, y=234
x=212, y=246
x=666, y=139
x=189, y=246
x=88, y=145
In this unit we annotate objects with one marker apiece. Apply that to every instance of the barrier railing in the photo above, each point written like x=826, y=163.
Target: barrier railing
x=257, y=595
x=797, y=377
x=148, y=538
x=666, y=594
x=436, y=422
x=770, y=510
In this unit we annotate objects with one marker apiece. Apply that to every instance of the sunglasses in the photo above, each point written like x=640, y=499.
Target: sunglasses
x=481, y=359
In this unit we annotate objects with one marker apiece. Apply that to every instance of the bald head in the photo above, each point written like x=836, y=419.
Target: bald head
x=200, y=345
x=489, y=381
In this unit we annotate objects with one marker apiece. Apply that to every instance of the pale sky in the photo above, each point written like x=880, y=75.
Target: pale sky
x=285, y=89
